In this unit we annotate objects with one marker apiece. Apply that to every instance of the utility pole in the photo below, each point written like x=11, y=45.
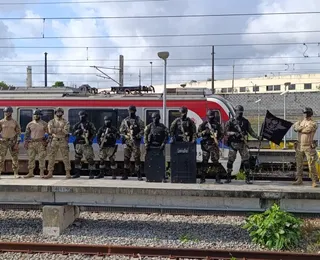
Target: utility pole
x=151, y=72
x=45, y=70
x=139, y=78
x=212, y=71
x=233, y=77
x=121, y=69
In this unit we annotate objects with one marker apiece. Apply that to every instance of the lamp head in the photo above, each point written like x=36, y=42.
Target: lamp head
x=163, y=55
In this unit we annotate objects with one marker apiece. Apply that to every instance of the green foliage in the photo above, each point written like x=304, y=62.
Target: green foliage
x=240, y=176
x=58, y=84
x=3, y=85
x=274, y=229
x=187, y=238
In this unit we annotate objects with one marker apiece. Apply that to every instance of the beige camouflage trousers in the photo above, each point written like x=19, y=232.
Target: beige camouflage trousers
x=312, y=158
x=132, y=147
x=108, y=152
x=6, y=145
x=56, y=145
x=36, y=148
x=88, y=153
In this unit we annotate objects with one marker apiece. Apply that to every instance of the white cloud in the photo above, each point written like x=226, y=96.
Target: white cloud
x=141, y=27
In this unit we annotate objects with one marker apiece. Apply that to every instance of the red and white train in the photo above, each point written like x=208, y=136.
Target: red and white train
x=98, y=105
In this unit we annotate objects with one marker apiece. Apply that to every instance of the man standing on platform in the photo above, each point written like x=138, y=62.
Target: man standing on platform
x=305, y=146
x=10, y=132
x=107, y=137
x=131, y=131
x=58, y=129
x=237, y=130
x=156, y=134
x=211, y=133
x=36, y=143
x=84, y=131
x=183, y=129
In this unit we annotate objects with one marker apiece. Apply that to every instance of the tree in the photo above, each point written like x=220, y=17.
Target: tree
x=58, y=84
x=3, y=85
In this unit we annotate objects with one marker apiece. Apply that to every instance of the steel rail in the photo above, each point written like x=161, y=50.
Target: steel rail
x=108, y=250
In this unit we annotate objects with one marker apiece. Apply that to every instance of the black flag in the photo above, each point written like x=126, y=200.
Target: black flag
x=274, y=128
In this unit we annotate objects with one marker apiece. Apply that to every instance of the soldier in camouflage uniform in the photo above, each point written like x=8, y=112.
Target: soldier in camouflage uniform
x=84, y=131
x=237, y=130
x=36, y=143
x=10, y=132
x=305, y=146
x=156, y=134
x=131, y=131
x=58, y=129
x=211, y=133
x=107, y=137
x=183, y=129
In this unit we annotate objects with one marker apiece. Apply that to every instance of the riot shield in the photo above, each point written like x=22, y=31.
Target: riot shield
x=183, y=163
x=154, y=165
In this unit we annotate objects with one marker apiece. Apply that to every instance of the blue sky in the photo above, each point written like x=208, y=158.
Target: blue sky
x=80, y=72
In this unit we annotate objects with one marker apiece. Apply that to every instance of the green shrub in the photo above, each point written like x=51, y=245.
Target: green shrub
x=274, y=229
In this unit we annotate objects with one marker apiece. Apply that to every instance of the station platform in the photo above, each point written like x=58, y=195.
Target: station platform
x=60, y=196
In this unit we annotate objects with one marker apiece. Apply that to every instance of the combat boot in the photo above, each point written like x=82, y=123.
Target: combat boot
x=228, y=177
x=298, y=181
x=125, y=174
x=218, y=179
x=91, y=174
x=203, y=177
x=49, y=175
x=42, y=174
x=68, y=175
x=100, y=175
x=139, y=176
x=77, y=174
x=114, y=174
x=16, y=175
x=29, y=175
x=248, y=181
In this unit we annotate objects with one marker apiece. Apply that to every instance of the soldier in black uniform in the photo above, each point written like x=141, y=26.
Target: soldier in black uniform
x=131, y=131
x=107, y=137
x=84, y=131
x=211, y=133
x=156, y=134
x=237, y=130
x=183, y=129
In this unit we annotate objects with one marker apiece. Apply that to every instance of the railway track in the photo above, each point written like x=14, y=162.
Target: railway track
x=173, y=253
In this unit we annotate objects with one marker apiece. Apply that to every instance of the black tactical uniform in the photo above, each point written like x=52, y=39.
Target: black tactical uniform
x=183, y=129
x=84, y=131
x=107, y=137
x=211, y=133
x=131, y=131
x=237, y=130
x=156, y=134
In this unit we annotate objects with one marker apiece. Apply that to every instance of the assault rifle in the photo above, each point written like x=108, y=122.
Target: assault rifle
x=243, y=137
x=213, y=134
x=104, y=137
x=85, y=135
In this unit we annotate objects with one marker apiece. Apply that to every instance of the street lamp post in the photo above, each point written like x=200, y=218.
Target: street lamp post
x=151, y=72
x=258, y=102
x=164, y=55
x=284, y=115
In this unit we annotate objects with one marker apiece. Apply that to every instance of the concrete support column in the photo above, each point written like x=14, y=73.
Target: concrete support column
x=56, y=219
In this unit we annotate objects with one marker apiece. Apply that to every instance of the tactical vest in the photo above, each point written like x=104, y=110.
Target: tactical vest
x=183, y=128
x=111, y=140
x=157, y=134
x=132, y=124
x=234, y=127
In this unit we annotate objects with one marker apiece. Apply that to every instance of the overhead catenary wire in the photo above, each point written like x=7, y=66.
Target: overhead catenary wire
x=161, y=46
x=161, y=16
x=156, y=35
x=80, y=2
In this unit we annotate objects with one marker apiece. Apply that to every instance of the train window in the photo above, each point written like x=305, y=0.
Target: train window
x=173, y=114
x=122, y=114
x=94, y=115
x=47, y=114
x=1, y=113
x=217, y=115
x=149, y=114
x=25, y=118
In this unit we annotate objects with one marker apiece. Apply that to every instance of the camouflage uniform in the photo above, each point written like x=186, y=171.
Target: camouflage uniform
x=36, y=143
x=305, y=146
x=211, y=132
x=131, y=130
x=58, y=129
x=156, y=134
x=84, y=131
x=237, y=131
x=107, y=137
x=183, y=129
x=10, y=132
